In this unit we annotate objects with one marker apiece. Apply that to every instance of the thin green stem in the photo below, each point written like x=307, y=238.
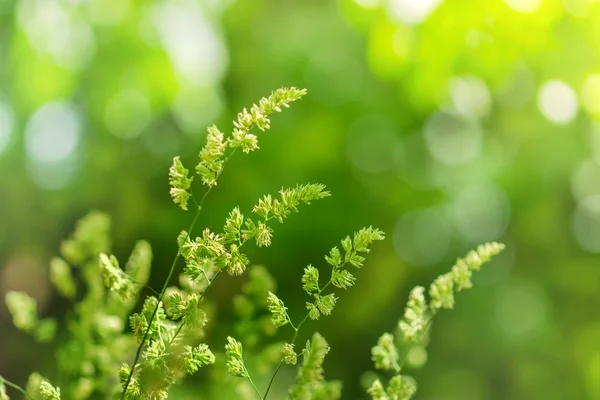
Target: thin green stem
x=165, y=285
x=15, y=386
x=296, y=330
x=162, y=294
x=273, y=378
x=253, y=385
x=181, y=322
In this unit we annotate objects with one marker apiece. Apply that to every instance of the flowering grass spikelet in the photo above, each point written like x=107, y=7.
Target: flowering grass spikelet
x=442, y=292
x=313, y=311
x=264, y=206
x=289, y=354
x=258, y=116
x=133, y=390
x=238, y=261
x=412, y=325
x=342, y=279
x=461, y=275
x=62, y=277
x=334, y=258
x=167, y=336
x=23, y=309
x=115, y=279
x=385, y=355
x=278, y=310
x=209, y=245
x=211, y=156
x=310, y=280
x=3, y=395
x=417, y=317
x=483, y=254
x=48, y=392
x=401, y=387
x=310, y=378
x=235, y=361
x=325, y=304
x=377, y=391
x=180, y=182
x=233, y=226
x=364, y=238
x=91, y=237
x=197, y=357
x=264, y=233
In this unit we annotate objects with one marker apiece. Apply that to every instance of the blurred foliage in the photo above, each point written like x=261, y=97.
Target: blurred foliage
x=443, y=123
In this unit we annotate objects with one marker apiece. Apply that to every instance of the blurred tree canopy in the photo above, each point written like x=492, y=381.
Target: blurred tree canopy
x=443, y=123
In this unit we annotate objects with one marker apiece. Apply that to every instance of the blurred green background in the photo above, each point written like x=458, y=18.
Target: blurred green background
x=444, y=123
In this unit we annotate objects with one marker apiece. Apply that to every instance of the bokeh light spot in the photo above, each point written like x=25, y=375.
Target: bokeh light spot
x=127, y=114
x=416, y=357
x=594, y=140
x=585, y=224
x=52, y=135
x=521, y=310
x=557, y=101
x=422, y=237
x=586, y=180
x=518, y=89
x=452, y=139
x=524, y=6
x=590, y=94
x=191, y=41
x=6, y=125
x=335, y=76
x=371, y=144
x=412, y=11
x=369, y=3
x=52, y=29
x=578, y=8
x=403, y=40
x=195, y=107
x=481, y=213
x=108, y=12
x=413, y=163
x=470, y=96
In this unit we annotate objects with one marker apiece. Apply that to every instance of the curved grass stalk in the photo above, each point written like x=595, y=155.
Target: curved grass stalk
x=166, y=284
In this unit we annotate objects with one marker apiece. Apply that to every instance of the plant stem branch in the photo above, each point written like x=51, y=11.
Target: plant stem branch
x=165, y=285
x=181, y=322
x=15, y=386
x=253, y=385
x=162, y=294
x=297, y=329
